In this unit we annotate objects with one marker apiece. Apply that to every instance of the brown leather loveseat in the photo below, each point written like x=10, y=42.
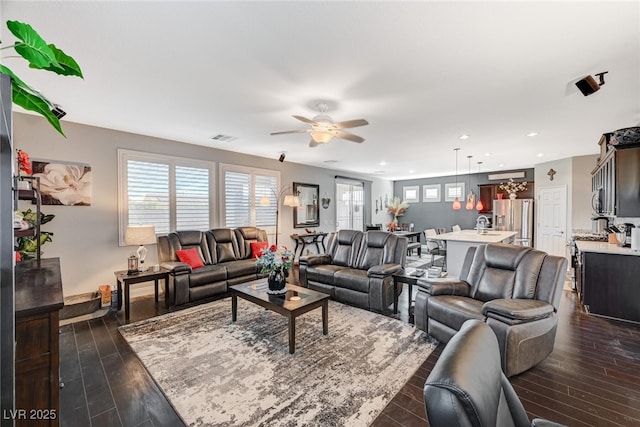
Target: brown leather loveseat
x=357, y=267
x=226, y=255
x=515, y=289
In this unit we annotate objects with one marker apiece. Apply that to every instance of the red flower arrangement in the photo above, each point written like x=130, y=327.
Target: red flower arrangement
x=24, y=162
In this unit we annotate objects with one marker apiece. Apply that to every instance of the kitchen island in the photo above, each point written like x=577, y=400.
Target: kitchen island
x=458, y=242
x=607, y=280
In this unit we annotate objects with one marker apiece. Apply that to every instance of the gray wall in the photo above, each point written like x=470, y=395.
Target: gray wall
x=437, y=215
x=86, y=237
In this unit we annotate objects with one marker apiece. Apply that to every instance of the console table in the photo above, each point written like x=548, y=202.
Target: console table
x=309, y=239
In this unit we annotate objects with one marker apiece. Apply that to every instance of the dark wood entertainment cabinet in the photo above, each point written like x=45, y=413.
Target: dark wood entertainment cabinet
x=38, y=300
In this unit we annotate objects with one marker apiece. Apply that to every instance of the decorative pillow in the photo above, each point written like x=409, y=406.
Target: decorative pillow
x=191, y=257
x=257, y=247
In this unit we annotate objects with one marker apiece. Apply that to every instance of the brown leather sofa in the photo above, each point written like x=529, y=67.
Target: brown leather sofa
x=357, y=267
x=227, y=261
x=460, y=393
x=515, y=289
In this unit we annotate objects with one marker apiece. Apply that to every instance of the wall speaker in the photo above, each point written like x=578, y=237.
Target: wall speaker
x=588, y=85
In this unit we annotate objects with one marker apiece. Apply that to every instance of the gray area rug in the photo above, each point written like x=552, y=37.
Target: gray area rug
x=220, y=373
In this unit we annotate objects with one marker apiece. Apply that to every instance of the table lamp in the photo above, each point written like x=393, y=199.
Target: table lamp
x=140, y=235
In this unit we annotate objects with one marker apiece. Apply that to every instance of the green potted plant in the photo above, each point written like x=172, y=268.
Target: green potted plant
x=28, y=246
x=42, y=56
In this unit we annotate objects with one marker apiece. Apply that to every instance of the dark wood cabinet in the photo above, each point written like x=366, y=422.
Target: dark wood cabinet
x=616, y=180
x=489, y=193
x=609, y=285
x=38, y=294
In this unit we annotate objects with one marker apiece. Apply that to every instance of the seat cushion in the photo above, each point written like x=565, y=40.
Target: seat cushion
x=243, y=267
x=351, y=278
x=323, y=273
x=453, y=311
x=208, y=274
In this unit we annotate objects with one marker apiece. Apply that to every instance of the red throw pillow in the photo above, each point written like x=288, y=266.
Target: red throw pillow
x=257, y=247
x=191, y=257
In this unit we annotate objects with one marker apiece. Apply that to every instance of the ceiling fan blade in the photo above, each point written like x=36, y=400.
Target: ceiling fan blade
x=348, y=136
x=290, y=131
x=313, y=143
x=305, y=120
x=351, y=123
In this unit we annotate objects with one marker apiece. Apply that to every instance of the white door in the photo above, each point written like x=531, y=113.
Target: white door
x=552, y=220
x=349, y=206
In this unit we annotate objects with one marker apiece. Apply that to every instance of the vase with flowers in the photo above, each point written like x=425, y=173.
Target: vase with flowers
x=397, y=208
x=23, y=165
x=276, y=262
x=513, y=187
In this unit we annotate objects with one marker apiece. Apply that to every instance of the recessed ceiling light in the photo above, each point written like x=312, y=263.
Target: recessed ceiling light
x=464, y=136
x=532, y=134
x=539, y=155
x=411, y=171
x=501, y=165
x=383, y=163
x=487, y=154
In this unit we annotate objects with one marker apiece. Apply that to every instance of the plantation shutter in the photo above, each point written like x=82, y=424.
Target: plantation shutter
x=148, y=194
x=237, y=190
x=192, y=198
x=265, y=186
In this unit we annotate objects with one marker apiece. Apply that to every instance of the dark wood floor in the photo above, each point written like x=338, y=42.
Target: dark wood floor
x=592, y=378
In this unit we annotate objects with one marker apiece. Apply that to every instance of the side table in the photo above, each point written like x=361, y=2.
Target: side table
x=123, y=278
x=309, y=239
x=398, y=280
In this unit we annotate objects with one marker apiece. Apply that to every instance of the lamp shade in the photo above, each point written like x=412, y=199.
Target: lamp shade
x=480, y=205
x=456, y=204
x=321, y=137
x=291, y=200
x=140, y=235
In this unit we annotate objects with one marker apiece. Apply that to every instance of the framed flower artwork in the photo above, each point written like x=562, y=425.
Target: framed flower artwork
x=63, y=183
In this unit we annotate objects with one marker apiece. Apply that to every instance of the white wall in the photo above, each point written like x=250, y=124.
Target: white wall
x=86, y=237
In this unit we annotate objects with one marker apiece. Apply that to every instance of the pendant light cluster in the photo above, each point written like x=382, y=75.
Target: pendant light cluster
x=456, y=202
x=471, y=197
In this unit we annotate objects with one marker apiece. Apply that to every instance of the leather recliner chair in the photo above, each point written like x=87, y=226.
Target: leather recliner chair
x=461, y=392
x=515, y=289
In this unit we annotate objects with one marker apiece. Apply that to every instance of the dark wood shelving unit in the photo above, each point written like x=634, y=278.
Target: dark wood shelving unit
x=34, y=195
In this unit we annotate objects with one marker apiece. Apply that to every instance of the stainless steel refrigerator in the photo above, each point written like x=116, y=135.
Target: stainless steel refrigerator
x=515, y=215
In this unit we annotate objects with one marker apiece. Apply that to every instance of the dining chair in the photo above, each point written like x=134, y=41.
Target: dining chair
x=404, y=226
x=434, y=247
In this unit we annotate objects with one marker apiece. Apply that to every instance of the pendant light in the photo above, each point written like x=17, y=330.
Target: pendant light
x=471, y=198
x=479, y=206
x=456, y=202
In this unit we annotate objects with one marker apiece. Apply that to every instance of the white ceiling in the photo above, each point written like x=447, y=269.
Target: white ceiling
x=421, y=73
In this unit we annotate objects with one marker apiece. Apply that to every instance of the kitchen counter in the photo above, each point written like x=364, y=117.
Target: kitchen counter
x=458, y=242
x=604, y=248
x=475, y=237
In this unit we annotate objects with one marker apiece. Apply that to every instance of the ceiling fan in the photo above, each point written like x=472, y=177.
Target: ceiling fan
x=323, y=128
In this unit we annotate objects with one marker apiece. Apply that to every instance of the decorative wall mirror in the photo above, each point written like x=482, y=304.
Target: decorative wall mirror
x=307, y=214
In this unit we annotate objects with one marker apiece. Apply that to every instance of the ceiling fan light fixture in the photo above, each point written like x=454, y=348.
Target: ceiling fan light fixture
x=321, y=137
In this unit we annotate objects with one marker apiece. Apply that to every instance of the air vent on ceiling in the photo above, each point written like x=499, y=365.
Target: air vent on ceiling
x=224, y=138
x=332, y=161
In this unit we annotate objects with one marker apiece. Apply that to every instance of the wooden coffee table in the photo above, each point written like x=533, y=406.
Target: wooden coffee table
x=295, y=302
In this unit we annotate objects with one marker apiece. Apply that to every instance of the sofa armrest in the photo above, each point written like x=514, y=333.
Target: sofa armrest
x=444, y=286
x=515, y=311
x=384, y=270
x=540, y=422
x=177, y=268
x=315, y=259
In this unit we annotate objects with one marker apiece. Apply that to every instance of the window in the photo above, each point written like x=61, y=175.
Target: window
x=451, y=191
x=167, y=192
x=242, y=191
x=431, y=193
x=411, y=194
x=349, y=205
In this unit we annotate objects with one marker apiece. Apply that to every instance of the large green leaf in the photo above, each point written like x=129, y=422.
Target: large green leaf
x=16, y=79
x=32, y=102
x=33, y=47
x=68, y=65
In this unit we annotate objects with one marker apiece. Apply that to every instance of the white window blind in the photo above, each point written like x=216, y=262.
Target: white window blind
x=243, y=190
x=166, y=192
